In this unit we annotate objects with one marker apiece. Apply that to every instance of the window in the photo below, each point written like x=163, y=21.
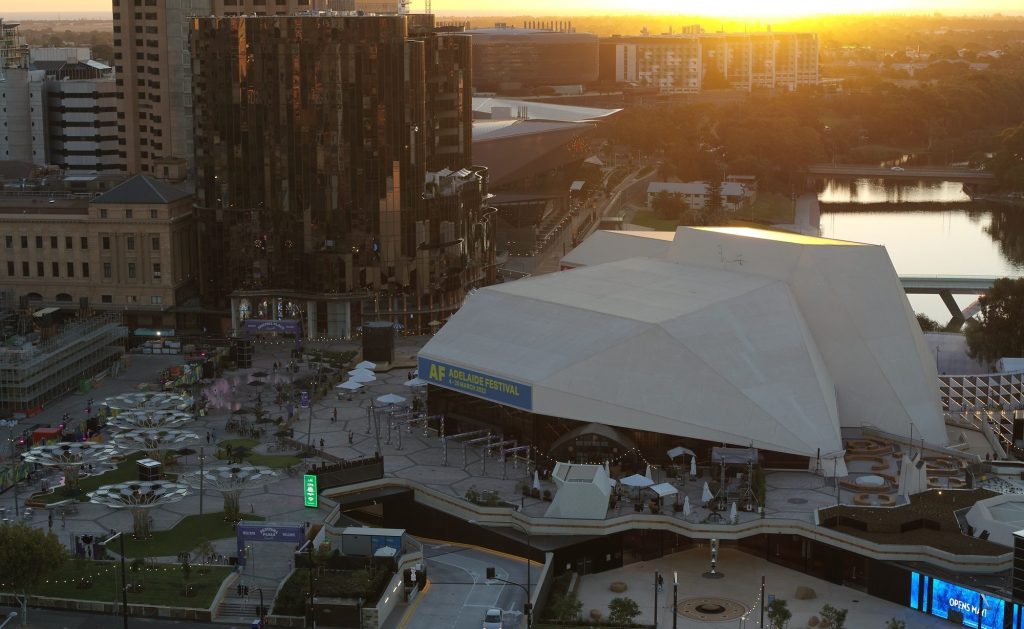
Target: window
x=40, y=269
x=24, y=242
x=9, y=242
x=156, y=270
x=152, y=214
x=84, y=242
x=106, y=242
x=53, y=242
x=156, y=243
x=156, y=300
x=55, y=268
x=107, y=299
x=69, y=242
x=108, y=270
x=131, y=299
x=85, y=269
x=39, y=242
x=24, y=268
x=10, y=268
x=130, y=243
x=103, y=212
x=128, y=214
x=131, y=270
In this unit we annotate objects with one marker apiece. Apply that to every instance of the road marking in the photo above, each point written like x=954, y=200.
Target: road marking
x=407, y=616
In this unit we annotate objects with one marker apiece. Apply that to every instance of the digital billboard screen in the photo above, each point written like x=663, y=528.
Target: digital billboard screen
x=952, y=602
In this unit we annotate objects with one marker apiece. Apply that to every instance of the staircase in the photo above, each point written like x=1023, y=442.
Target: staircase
x=233, y=607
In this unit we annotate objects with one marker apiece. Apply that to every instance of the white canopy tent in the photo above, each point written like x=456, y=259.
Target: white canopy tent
x=349, y=385
x=663, y=490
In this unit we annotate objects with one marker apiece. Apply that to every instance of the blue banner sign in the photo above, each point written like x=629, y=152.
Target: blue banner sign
x=476, y=383
x=304, y=399
x=294, y=533
x=955, y=602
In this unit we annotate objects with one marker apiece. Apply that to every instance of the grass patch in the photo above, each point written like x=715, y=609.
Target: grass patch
x=342, y=583
x=649, y=219
x=125, y=471
x=192, y=531
x=768, y=208
x=274, y=461
x=161, y=585
x=238, y=443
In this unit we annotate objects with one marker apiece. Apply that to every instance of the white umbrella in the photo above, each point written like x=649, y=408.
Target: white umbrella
x=362, y=377
x=706, y=496
x=686, y=507
x=366, y=365
x=648, y=472
x=416, y=382
x=607, y=469
x=732, y=513
x=693, y=466
x=636, y=481
x=536, y=480
x=391, y=398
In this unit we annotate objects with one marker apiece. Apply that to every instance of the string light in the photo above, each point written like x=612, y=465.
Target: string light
x=175, y=568
x=603, y=461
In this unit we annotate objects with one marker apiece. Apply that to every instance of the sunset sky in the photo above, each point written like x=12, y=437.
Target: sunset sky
x=731, y=8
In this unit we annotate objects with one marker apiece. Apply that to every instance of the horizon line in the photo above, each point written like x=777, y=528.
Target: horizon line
x=101, y=14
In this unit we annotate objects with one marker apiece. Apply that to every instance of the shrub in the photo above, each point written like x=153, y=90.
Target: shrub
x=623, y=610
x=778, y=613
x=832, y=618
x=565, y=607
x=893, y=623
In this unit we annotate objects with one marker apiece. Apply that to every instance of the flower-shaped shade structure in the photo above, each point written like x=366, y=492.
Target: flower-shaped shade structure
x=155, y=439
x=144, y=418
x=70, y=457
x=231, y=477
x=139, y=497
x=148, y=401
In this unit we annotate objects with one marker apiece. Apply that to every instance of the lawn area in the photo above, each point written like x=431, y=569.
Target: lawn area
x=161, y=585
x=236, y=443
x=274, y=461
x=192, y=531
x=347, y=583
x=125, y=471
x=649, y=219
x=768, y=208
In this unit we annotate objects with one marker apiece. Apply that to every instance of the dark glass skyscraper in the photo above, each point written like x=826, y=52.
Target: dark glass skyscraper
x=334, y=181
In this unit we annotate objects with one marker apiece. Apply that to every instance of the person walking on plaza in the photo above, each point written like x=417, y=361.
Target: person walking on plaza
x=321, y=443
x=350, y=437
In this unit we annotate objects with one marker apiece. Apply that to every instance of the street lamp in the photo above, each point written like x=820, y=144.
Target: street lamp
x=675, y=600
x=124, y=578
x=527, y=606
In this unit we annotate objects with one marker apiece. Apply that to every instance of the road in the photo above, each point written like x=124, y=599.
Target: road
x=926, y=172
x=48, y=619
x=458, y=593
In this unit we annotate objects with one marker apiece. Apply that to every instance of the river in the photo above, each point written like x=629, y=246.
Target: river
x=928, y=229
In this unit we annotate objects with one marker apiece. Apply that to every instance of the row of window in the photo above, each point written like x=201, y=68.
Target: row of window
x=69, y=241
x=108, y=270
x=129, y=213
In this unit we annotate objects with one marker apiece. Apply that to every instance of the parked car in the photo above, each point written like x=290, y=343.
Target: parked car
x=897, y=168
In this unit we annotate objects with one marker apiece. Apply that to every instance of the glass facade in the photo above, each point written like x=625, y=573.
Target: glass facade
x=333, y=165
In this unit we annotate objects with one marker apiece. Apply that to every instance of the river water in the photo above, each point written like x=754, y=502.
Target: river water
x=928, y=228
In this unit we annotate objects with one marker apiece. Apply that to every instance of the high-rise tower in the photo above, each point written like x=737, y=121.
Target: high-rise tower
x=333, y=175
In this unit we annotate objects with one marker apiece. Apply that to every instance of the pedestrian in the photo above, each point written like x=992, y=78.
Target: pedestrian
x=49, y=520
x=238, y=589
x=321, y=443
x=350, y=437
x=207, y=437
x=63, y=520
x=334, y=416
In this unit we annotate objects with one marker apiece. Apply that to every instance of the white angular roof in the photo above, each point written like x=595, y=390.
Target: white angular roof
x=746, y=337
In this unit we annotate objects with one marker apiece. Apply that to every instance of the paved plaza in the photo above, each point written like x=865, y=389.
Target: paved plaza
x=741, y=585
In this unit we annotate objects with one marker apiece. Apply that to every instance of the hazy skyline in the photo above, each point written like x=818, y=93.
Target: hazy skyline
x=724, y=8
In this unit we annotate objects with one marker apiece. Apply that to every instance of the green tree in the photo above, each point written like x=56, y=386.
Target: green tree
x=999, y=329
x=778, y=613
x=623, y=611
x=833, y=618
x=28, y=555
x=928, y=324
x=666, y=204
x=893, y=623
x=565, y=607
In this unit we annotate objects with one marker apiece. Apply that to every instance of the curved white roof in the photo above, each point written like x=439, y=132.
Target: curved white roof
x=747, y=337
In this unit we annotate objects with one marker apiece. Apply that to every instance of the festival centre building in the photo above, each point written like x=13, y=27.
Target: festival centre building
x=735, y=336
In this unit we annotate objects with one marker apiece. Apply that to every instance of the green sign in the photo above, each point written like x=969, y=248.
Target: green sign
x=309, y=491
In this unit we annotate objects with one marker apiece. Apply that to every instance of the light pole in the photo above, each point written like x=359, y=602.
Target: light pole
x=124, y=578
x=656, y=575
x=202, y=475
x=675, y=600
x=527, y=606
x=312, y=606
x=11, y=616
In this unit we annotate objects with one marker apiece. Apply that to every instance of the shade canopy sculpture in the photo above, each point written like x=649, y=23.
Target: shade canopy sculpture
x=139, y=497
x=155, y=440
x=148, y=418
x=148, y=401
x=231, y=481
x=70, y=458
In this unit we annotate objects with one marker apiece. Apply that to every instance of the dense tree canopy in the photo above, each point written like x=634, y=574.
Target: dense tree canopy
x=999, y=329
x=28, y=555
